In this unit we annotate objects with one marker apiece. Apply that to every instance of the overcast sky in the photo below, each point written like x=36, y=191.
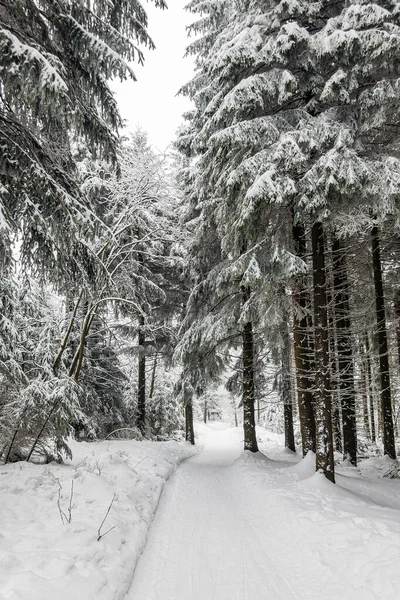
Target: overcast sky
x=151, y=101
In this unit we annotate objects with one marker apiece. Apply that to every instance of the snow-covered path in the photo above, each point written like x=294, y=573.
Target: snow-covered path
x=230, y=529
x=203, y=545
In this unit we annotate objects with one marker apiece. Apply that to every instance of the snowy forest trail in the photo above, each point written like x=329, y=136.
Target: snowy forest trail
x=234, y=526
x=203, y=543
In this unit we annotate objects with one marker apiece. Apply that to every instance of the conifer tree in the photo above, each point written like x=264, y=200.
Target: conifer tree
x=55, y=60
x=286, y=122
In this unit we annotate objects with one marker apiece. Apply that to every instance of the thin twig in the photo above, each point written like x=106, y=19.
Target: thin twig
x=138, y=463
x=63, y=516
x=71, y=497
x=100, y=535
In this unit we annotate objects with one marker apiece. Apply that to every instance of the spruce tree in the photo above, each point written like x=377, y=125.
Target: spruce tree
x=55, y=61
x=292, y=101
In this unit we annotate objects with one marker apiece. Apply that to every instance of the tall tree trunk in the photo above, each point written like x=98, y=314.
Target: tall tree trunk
x=286, y=386
x=141, y=403
x=153, y=378
x=370, y=388
x=337, y=427
x=79, y=356
x=397, y=313
x=323, y=413
x=302, y=350
x=386, y=399
x=205, y=414
x=189, y=421
x=334, y=378
x=64, y=342
x=345, y=352
x=249, y=426
x=365, y=411
x=364, y=392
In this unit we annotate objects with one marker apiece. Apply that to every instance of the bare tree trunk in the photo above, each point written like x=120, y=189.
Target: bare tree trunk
x=39, y=435
x=153, y=377
x=325, y=461
x=64, y=343
x=189, y=422
x=370, y=389
x=345, y=352
x=14, y=437
x=364, y=393
x=302, y=350
x=81, y=349
x=205, y=411
x=249, y=426
x=337, y=425
x=141, y=403
x=386, y=399
x=286, y=386
x=365, y=413
x=397, y=313
x=334, y=379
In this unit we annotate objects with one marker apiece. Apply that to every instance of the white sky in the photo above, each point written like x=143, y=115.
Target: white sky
x=150, y=101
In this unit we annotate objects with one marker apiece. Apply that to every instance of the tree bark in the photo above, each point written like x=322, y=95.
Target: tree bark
x=64, y=343
x=153, y=377
x=384, y=375
x=337, y=425
x=397, y=313
x=286, y=387
x=81, y=348
x=249, y=426
x=370, y=389
x=365, y=410
x=345, y=352
x=141, y=402
x=334, y=378
x=323, y=414
x=205, y=411
x=189, y=422
x=302, y=351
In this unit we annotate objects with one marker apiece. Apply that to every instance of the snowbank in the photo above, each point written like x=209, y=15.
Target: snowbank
x=330, y=541
x=45, y=557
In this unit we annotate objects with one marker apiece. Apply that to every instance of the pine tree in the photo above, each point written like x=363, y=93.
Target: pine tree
x=291, y=101
x=55, y=60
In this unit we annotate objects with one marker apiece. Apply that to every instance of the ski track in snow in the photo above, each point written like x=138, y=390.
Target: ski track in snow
x=243, y=527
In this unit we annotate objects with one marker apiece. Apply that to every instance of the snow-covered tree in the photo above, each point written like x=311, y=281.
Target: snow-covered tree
x=141, y=254
x=56, y=59
x=292, y=99
x=37, y=409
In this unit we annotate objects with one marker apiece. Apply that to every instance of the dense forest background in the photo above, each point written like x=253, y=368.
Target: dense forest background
x=261, y=254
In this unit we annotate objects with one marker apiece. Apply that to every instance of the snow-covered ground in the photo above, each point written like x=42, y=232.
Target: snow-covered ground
x=229, y=526
x=43, y=559
x=240, y=527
